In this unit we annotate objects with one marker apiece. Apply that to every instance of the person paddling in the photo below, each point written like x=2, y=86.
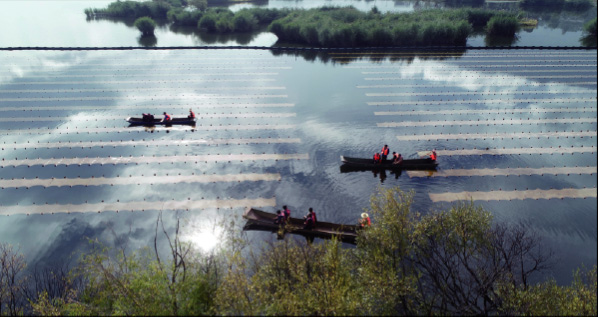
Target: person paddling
x=397, y=158
x=167, y=117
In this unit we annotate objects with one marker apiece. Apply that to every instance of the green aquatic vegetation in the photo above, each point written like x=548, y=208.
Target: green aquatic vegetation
x=590, y=27
x=503, y=25
x=145, y=25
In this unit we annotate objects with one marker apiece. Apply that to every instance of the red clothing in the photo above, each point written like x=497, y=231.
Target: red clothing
x=433, y=156
x=167, y=117
x=191, y=115
x=385, y=151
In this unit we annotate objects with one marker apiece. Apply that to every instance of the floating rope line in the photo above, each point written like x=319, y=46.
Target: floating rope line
x=526, y=171
x=147, y=67
x=70, y=91
x=469, y=54
x=485, y=111
x=151, y=74
x=137, y=180
x=156, y=97
x=487, y=70
x=457, y=63
x=479, y=93
x=480, y=101
x=486, y=122
x=143, y=81
x=137, y=206
x=162, y=63
x=517, y=135
x=77, y=130
x=514, y=151
x=502, y=76
x=151, y=159
x=516, y=195
x=114, y=117
x=159, y=142
x=501, y=84
x=145, y=107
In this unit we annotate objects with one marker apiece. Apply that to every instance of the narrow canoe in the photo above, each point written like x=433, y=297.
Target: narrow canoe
x=158, y=121
x=264, y=221
x=408, y=164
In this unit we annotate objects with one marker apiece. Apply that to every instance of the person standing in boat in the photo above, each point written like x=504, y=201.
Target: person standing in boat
x=167, y=117
x=365, y=220
x=310, y=219
x=384, y=152
x=433, y=155
x=377, y=158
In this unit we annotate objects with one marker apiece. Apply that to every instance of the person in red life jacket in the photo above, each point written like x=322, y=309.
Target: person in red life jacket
x=377, y=159
x=191, y=114
x=287, y=213
x=433, y=155
x=365, y=220
x=167, y=117
x=310, y=220
x=384, y=152
x=397, y=158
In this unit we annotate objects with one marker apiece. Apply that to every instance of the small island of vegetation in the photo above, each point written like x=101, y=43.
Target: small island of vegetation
x=327, y=26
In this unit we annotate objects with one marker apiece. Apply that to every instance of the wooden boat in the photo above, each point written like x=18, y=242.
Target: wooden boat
x=158, y=121
x=368, y=164
x=264, y=221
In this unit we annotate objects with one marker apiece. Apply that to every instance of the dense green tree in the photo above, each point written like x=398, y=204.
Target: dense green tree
x=145, y=25
x=502, y=25
x=590, y=27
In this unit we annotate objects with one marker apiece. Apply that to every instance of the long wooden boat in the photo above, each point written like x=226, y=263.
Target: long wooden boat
x=158, y=121
x=264, y=221
x=368, y=164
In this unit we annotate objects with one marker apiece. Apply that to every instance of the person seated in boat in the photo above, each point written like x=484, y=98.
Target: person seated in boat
x=287, y=212
x=167, y=117
x=365, y=220
x=397, y=158
x=145, y=117
x=433, y=155
x=384, y=152
x=377, y=158
x=280, y=219
x=310, y=219
x=191, y=114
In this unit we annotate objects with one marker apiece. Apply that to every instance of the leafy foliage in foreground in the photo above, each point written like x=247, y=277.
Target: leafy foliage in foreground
x=453, y=262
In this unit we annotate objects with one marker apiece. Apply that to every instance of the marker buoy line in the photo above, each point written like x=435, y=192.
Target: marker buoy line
x=155, y=97
x=77, y=130
x=517, y=135
x=150, y=159
x=180, y=106
x=155, y=89
x=482, y=101
x=503, y=76
x=515, y=195
x=159, y=142
x=518, y=83
x=137, y=180
x=138, y=82
x=114, y=117
x=480, y=93
x=137, y=206
x=525, y=171
x=487, y=122
x=532, y=110
x=515, y=151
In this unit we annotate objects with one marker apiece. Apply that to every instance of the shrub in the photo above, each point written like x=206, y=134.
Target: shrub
x=179, y=16
x=244, y=21
x=502, y=25
x=590, y=27
x=208, y=22
x=146, y=25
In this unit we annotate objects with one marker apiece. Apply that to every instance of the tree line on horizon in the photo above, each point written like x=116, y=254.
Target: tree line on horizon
x=447, y=262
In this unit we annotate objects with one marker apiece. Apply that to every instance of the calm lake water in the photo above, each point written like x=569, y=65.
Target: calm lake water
x=272, y=127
